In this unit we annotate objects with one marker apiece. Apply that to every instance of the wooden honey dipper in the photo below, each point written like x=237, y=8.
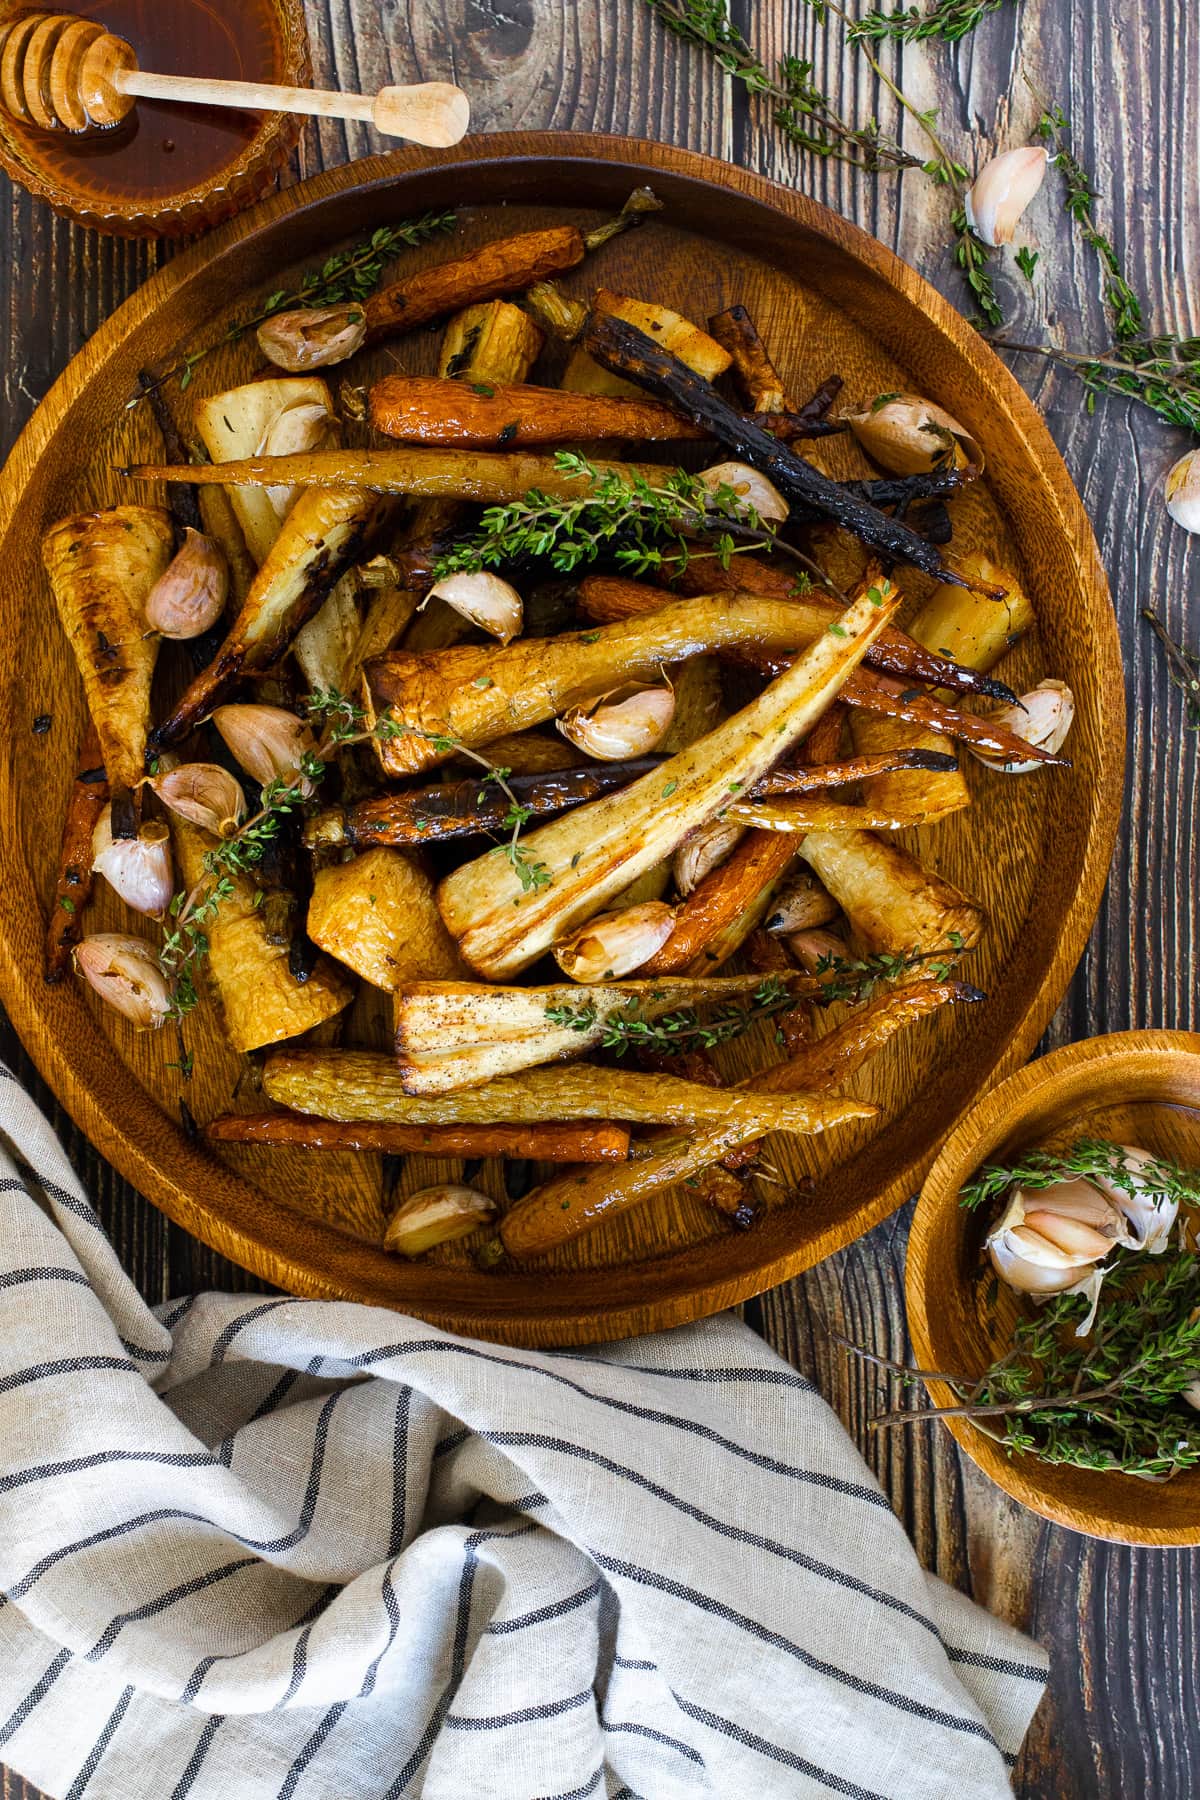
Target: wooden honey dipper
x=58, y=70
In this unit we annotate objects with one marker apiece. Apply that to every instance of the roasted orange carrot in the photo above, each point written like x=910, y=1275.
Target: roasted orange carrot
x=502, y=267
x=73, y=883
x=582, y=1143
x=722, y=898
x=817, y=1066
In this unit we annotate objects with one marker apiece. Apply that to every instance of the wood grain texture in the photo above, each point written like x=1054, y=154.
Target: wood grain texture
x=1121, y=1715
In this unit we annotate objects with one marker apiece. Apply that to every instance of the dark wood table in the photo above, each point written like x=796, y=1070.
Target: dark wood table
x=1121, y=1716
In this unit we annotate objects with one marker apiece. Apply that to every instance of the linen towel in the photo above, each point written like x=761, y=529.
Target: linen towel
x=253, y=1549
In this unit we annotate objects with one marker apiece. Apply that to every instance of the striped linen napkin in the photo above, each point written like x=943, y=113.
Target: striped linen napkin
x=253, y=1549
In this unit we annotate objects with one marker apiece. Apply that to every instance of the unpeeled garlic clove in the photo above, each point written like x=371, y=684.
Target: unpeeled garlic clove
x=613, y=731
x=801, y=905
x=816, y=950
x=190, y=594
x=1183, y=491
x=437, y=1215
x=1043, y=718
x=751, y=488
x=124, y=971
x=1148, y=1213
x=269, y=742
x=487, y=601
x=614, y=943
x=702, y=851
x=305, y=425
x=910, y=436
x=138, y=868
x=203, y=793
x=312, y=336
x=1052, y=1241
x=1002, y=190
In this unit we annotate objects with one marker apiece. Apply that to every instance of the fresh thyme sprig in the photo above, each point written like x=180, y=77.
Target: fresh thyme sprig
x=348, y=275
x=1183, y=667
x=1080, y=203
x=857, y=977
x=643, y=524
x=675, y=1033
x=1085, y=1160
x=948, y=20
x=805, y=115
x=1108, y=1401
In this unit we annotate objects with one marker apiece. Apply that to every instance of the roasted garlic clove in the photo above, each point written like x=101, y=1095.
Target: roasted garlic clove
x=124, y=971
x=269, y=742
x=487, y=601
x=752, y=489
x=203, y=793
x=613, y=731
x=437, y=1215
x=311, y=337
x=1042, y=717
x=614, y=943
x=190, y=594
x=910, y=436
x=138, y=868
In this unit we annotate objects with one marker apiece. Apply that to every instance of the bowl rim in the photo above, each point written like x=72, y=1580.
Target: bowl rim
x=146, y=1146
x=995, y=1117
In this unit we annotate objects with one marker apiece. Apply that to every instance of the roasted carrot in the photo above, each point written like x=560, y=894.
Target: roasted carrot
x=757, y=375
x=73, y=883
x=582, y=1143
x=503, y=267
x=817, y=1066
x=746, y=876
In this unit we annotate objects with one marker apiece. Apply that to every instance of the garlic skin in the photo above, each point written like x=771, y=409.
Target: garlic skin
x=614, y=943
x=138, y=869
x=800, y=906
x=1149, y=1214
x=621, y=728
x=1043, y=718
x=703, y=851
x=752, y=489
x=312, y=336
x=910, y=436
x=1002, y=190
x=1182, y=489
x=124, y=971
x=191, y=592
x=204, y=794
x=308, y=425
x=811, y=948
x=487, y=601
x=269, y=742
x=437, y=1215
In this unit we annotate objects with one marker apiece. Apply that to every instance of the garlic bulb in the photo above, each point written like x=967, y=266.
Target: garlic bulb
x=139, y=868
x=751, y=488
x=190, y=594
x=311, y=337
x=1043, y=718
x=437, y=1215
x=1002, y=190
x=1183, y=491
x=487, y=601
x=614, y=943
x=801, y=905
x=269, y=742
x=1053, y=1240
x=307, y=425
x=618, y=729
x=203, y=793
x=910, y=436
x=1149, y=1214
x=124, y=971
x=812, y=949
x=701, y=852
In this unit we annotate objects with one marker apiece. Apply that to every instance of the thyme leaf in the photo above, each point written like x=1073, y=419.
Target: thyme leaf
x=1085, y=1160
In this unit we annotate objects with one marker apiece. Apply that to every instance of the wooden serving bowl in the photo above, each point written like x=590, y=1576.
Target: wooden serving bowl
x=169, y=170
x=1135, y=1087
x=1035, y=851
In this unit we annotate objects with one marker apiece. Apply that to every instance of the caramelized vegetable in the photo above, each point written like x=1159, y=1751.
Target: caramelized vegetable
x=584, y=859
x=583, y=1143
x=365, y=1085
x=321, y=534
x=233, y=424
x=73, y=883
x=377, y=915
x=502, y=267
x=825, y=1062
x=726, y=895
x=102, y=566
x=893, y=903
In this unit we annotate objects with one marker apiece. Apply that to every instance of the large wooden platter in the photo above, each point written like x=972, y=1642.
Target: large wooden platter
x=1035, y=850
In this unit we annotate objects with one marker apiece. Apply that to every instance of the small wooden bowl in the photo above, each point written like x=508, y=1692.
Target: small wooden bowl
x=233, y=166
x=1138, y=1087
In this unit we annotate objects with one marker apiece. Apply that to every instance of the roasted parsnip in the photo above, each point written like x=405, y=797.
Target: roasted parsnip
x=377, y=915
x=540, y=1143
x=73, y=883
x=827, y=1061
x=261, y=1000
x=234, y=424
x=319, y=537
x=101, y=567
x=366, y=1085
x=586, y=858
x=892, y=903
